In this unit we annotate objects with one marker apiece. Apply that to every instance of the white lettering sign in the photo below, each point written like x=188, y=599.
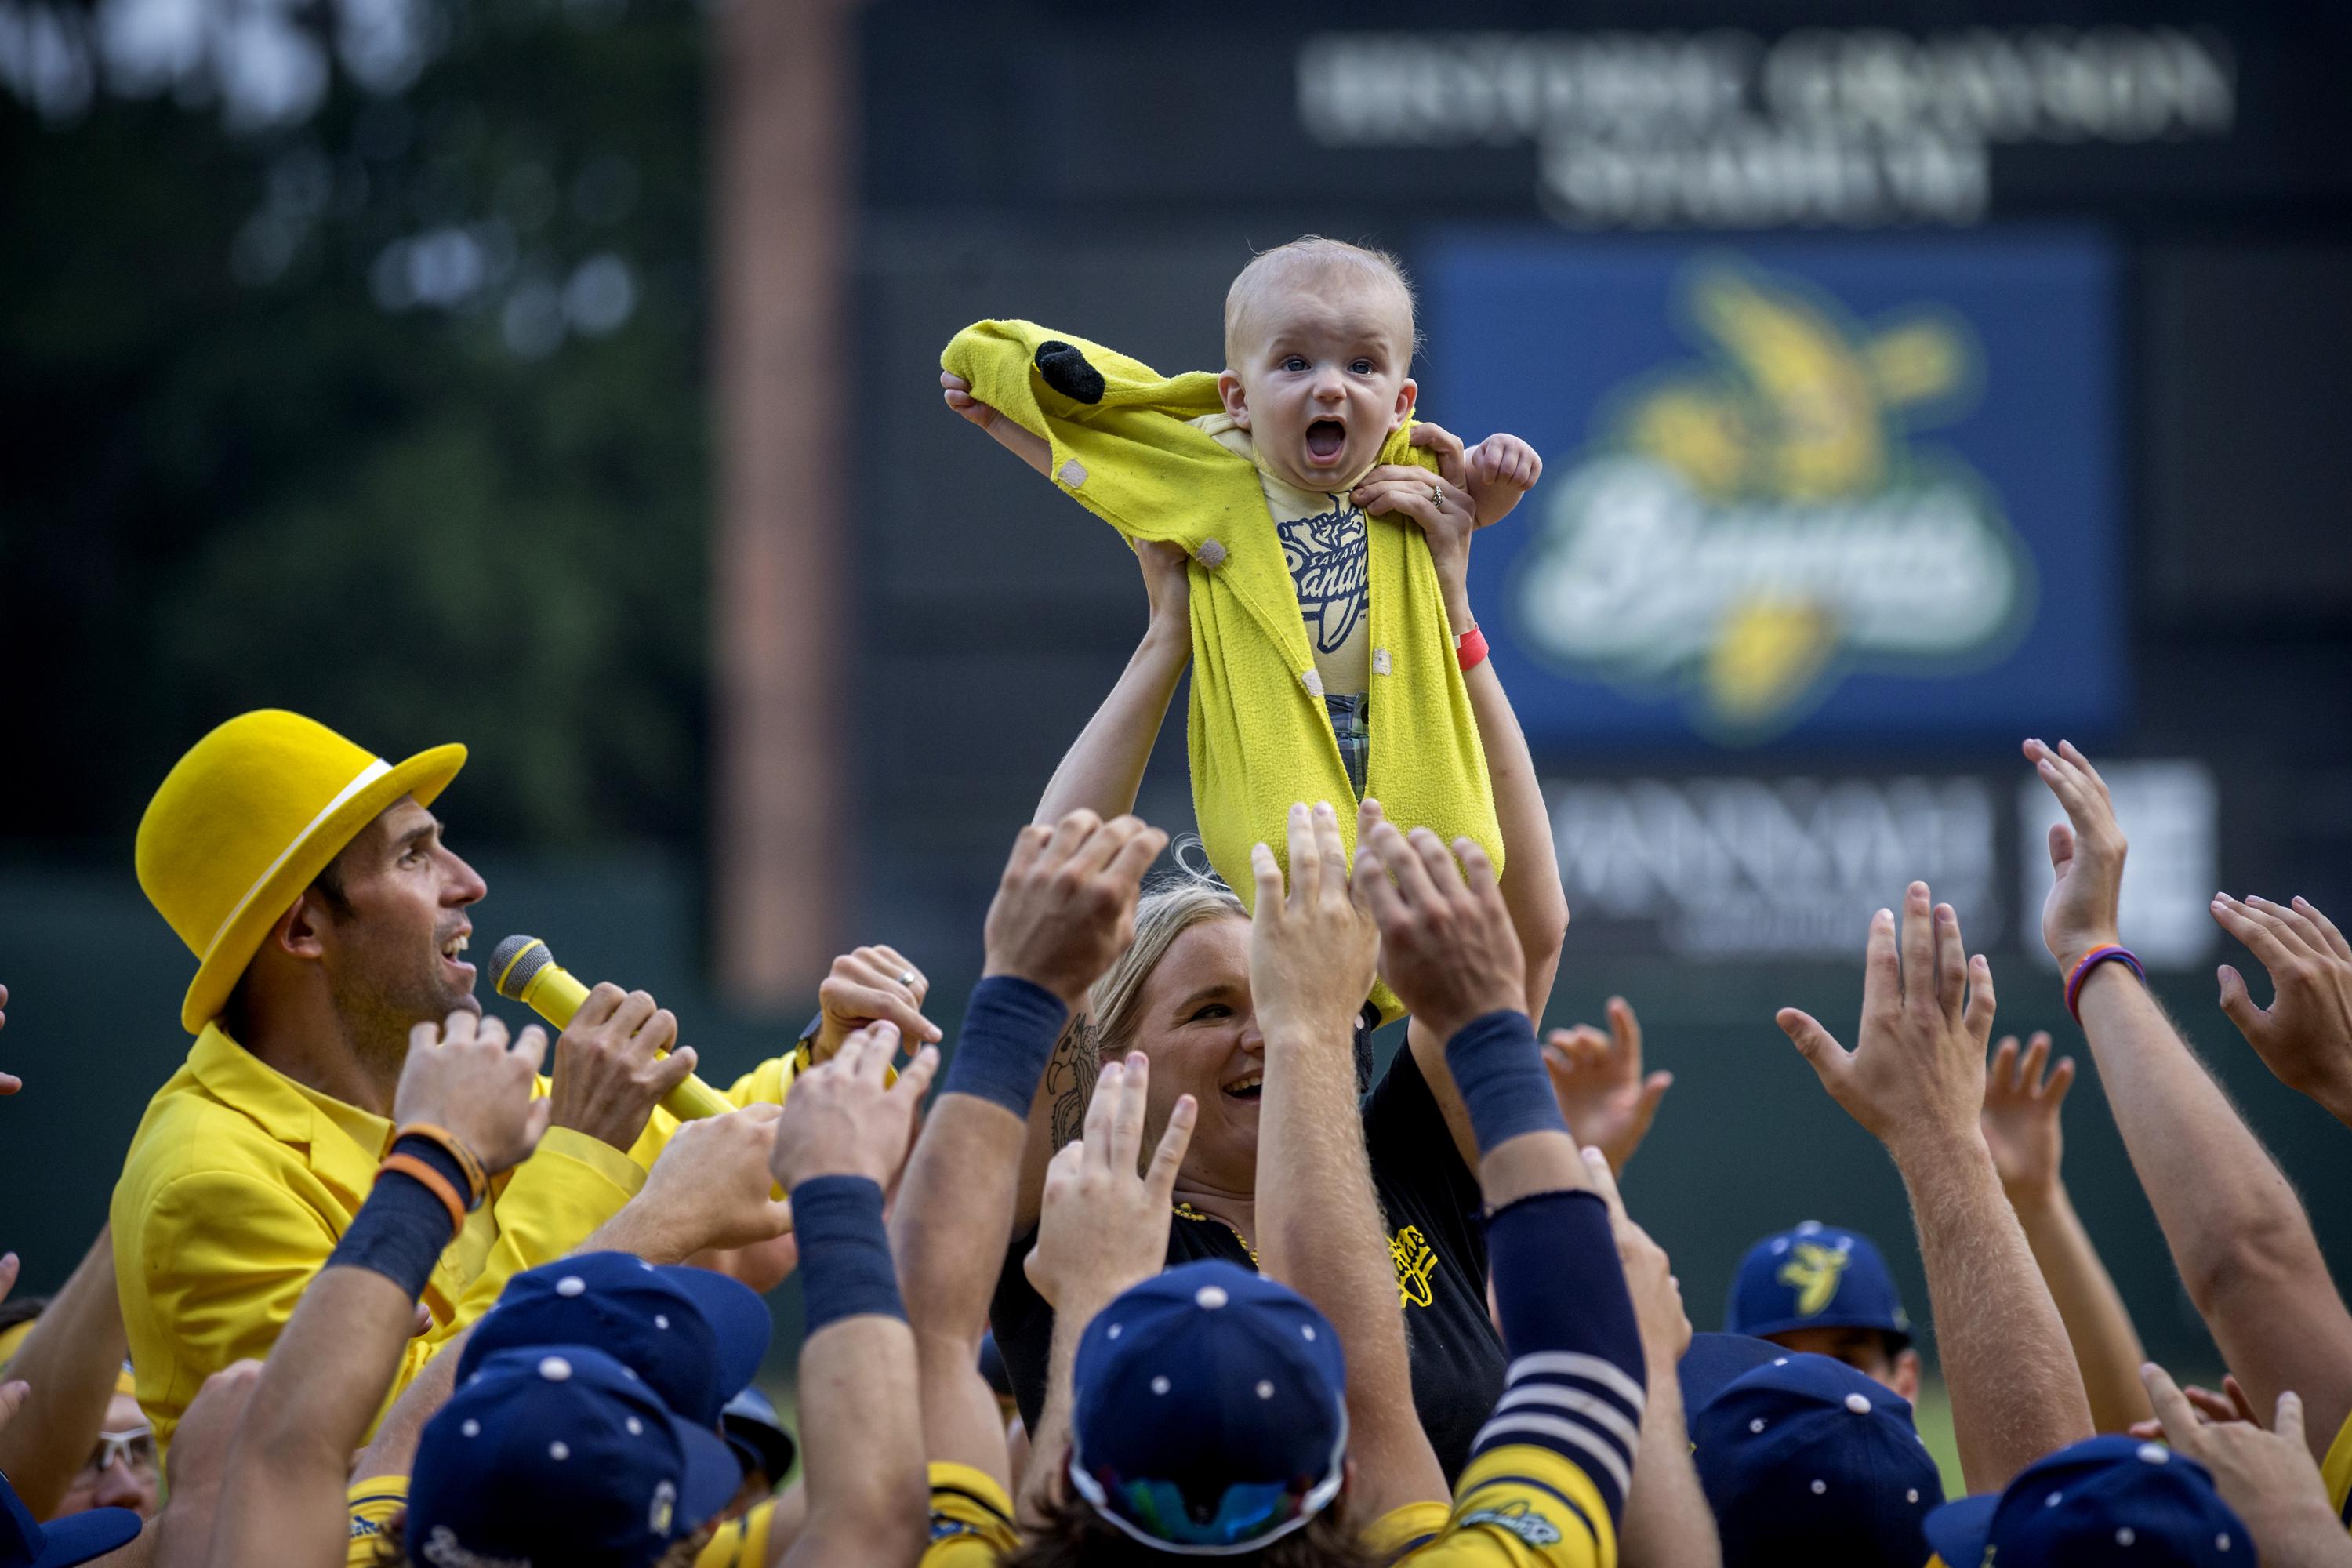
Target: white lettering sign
x=1746, y=869
x=1724, y=129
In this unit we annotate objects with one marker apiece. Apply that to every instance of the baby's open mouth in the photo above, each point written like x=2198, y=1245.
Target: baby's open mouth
x=1324, y=439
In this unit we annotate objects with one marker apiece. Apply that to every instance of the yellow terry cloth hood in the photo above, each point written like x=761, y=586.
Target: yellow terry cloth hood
x=1259, y=735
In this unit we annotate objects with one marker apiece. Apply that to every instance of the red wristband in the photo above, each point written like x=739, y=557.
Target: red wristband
x=1470, y=647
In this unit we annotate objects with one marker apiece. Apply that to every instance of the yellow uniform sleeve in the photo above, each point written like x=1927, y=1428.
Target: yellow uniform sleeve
x=1521, y=1506
x=740, y=1542
x=221, y=1259
x=768, y=1083
x=375, y=1505
x=2338, y=1472
x=972, y=1520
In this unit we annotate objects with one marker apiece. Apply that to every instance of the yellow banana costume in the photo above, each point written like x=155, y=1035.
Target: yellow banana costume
x=1259, y=735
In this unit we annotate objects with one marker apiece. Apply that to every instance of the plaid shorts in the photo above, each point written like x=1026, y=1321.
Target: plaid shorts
x=1349, y=726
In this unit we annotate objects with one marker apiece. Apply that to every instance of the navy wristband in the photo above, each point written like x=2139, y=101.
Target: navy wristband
x=844, y=1268
x=399, y=1231
x=1009, y=1030
x=431, y=1152
x=1499, y=1071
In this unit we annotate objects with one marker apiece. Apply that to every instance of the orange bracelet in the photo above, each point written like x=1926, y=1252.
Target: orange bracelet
x=435, y=1183
x=477, y=1178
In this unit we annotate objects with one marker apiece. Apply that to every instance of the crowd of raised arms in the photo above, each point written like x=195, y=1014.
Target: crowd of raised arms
x=1153, y=1165
x=1163, y=1261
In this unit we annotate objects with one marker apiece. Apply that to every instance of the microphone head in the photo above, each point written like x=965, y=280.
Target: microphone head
x=515, y=963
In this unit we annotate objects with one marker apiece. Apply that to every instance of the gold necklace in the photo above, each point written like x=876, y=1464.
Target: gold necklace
x=1186, y=1211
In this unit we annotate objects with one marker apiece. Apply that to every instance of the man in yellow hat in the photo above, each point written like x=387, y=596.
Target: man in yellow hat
x=329, y=921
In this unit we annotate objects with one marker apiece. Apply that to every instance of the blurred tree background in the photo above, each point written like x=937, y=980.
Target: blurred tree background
x=351, y=359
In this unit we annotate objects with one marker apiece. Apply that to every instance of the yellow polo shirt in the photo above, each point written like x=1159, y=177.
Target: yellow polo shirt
x=240, y=1181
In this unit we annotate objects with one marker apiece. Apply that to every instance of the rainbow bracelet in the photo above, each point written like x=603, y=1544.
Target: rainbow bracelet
x=2091, y=961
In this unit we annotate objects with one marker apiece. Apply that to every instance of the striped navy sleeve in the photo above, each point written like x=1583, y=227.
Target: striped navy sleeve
x=1576, y=1379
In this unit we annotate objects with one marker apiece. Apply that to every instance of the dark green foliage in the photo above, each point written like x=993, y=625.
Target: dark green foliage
x=239, y=472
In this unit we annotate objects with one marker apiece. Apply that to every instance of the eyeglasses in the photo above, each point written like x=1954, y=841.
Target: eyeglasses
x=134, y=1449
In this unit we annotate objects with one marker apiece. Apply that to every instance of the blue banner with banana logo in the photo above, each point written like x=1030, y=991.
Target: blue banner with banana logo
x=1826, y=490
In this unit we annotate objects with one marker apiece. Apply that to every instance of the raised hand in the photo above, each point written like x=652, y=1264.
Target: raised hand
x=1030, y=448
x=711, y=1187
x=1314, y=948
x=200, y=1444
x=462, y=1078
x=2230, y=1404
x=2086, y=851
x=2304, y=1036
x=1441, y=504
x=868, y=985
x=1167, y=588
x=1502, y=469
x=1448, y=948
x=609, y=1069
x=2268, y=1477
x=1066, y=905
x=1599, y=1082
x=1103, y=1225
x=1917, y=1070
x=2021, y=1115
x=844, y=1117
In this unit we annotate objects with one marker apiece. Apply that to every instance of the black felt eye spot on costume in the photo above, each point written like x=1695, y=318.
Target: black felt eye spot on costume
x=1066, y=372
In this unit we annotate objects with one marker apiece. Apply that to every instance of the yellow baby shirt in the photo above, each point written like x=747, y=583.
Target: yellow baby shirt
x=1259, y=736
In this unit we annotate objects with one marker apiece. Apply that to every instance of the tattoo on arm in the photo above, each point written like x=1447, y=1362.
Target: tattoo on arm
x=1070, y=1078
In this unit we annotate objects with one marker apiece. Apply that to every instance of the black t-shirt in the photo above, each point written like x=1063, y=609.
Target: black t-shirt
x=1430, y=1201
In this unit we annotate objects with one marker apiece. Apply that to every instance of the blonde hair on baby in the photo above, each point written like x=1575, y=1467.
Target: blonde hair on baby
x=1313, y=257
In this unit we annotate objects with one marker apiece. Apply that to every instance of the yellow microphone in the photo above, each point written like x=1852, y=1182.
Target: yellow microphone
x=522, y=970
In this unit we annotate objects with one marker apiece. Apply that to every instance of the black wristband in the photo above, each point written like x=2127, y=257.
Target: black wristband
x=433, y=1153
x=399, y=1231
x=845, y=1269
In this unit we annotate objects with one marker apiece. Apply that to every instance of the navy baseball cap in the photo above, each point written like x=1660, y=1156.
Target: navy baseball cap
x=75, y=1538
x=2102, y=1501
x=1210, y=1411
x=1805, y=1459
x=697, y=1338
x=758, y=1435
x=561, y=1454
x=1815, y=1277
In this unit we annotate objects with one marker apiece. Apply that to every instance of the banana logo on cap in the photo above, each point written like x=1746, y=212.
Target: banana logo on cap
x=1814, y=1270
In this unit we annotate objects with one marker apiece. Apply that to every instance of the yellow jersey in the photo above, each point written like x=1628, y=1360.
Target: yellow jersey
x=240, y=1181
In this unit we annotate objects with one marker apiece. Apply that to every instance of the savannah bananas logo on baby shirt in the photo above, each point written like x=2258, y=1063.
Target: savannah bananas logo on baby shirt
x=1753, y=526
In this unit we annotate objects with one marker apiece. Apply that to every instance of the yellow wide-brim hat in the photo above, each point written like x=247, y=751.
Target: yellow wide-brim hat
x=248, y=819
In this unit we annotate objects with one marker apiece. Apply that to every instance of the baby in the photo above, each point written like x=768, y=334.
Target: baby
x=1319, y=339
x=1328, y=535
